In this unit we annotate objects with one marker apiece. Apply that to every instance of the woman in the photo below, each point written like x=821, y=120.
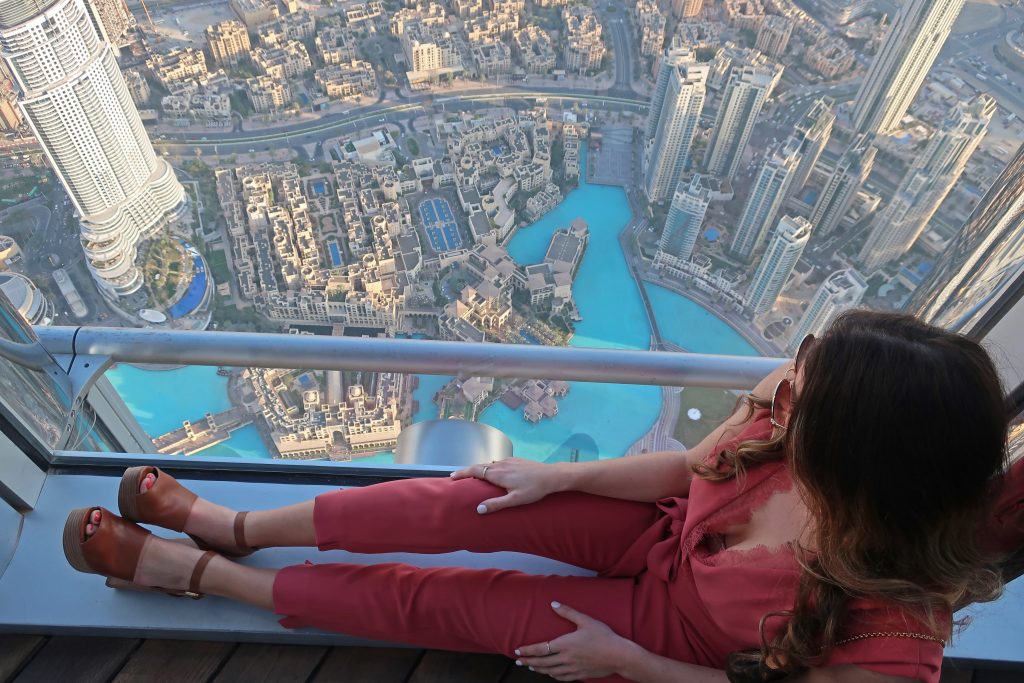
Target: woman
x=828, y=526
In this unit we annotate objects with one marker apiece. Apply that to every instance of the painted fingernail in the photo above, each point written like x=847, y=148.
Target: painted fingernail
x=519, y=662
x=531, y=668
x=481, y=508
x=518, y=653
x=556, y=605
x=451, y=474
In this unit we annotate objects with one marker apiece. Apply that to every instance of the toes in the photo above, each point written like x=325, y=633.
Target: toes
x=90, y=529
x=147, y=482
x=96, y=516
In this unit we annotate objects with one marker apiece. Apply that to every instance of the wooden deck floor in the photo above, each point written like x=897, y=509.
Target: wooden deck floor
x=72, y=659
x=67, y=659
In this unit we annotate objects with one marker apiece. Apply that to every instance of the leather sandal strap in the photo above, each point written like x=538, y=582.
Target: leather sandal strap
x=197, y=572
x=240, y=531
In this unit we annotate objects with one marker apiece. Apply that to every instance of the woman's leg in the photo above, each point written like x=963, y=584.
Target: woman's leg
x=486, y=610
x=453, y=608
x=438, y=515
x=433, y=515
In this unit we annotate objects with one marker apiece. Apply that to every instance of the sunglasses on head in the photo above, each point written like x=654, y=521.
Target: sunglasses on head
x=782, y=398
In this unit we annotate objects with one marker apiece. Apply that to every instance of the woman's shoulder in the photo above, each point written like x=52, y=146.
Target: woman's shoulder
x=887, y=639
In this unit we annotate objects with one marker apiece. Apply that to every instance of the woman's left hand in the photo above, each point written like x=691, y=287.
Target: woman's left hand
x=591, y=651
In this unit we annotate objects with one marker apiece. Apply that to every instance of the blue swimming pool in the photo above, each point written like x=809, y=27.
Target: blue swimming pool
x=332, y=248
x=193, y=296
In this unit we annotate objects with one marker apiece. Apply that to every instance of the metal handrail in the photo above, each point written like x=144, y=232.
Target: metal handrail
x=244, y=349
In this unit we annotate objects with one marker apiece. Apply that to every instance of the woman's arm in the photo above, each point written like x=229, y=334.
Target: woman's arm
x=646, y=478
x=594, y=651
x=652, y=476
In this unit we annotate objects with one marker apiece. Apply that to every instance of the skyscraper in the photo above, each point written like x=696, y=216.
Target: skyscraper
x=748, y=87
x=928, y=182
x=669, y=150
x=835, y=199
x=812, y=133
x=841, y=290
x=784, y=250
x=685, y=217
x=672, y=58
x=79, y=108
x=766, y=197
x=914, y=40
x=985, y=258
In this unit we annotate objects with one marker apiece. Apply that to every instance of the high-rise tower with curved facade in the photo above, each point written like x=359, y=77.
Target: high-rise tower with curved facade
x=77, y=104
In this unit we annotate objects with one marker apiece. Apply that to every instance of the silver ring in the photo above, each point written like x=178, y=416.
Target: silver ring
x=483, y=475
x=549, y=648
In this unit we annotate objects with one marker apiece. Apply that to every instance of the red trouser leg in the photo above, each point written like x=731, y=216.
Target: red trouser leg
x=486, y=610
x=439, y=516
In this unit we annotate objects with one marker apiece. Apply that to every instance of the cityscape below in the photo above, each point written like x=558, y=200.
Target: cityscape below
x=711, y=176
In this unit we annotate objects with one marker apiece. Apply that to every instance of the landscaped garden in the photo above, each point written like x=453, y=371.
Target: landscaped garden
x=714, y=405
x=165, y=266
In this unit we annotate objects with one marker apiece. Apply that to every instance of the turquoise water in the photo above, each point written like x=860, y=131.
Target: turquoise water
x=161, y=399
x=694, y=328
x=597, y=420
x=613, y=416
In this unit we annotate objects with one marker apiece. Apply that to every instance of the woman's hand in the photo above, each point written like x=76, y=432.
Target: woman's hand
x=525, y=481
x=591, y=651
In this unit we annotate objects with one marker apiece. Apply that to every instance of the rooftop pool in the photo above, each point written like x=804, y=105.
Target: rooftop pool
x=598, y=420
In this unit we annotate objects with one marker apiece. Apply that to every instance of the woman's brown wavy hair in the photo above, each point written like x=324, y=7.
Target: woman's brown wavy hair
x=898, y=433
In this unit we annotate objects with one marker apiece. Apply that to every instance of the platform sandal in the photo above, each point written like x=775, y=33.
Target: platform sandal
x=114, y=552
x=167, y=504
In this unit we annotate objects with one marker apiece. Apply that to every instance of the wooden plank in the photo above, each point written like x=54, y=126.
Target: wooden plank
x=15, y=651
x=1011, y=675
x=951, y=674
x=521, y=674
x=438, y=666
x=182, y=661
x=368, y=665
x=252, y=663
x=78, y=659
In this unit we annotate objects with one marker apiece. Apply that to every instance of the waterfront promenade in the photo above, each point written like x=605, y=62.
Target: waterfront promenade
x=196, y=436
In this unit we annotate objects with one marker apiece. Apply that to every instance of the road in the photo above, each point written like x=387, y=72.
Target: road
x=184, y=144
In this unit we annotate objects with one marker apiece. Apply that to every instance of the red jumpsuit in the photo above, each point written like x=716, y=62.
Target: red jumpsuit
x=659, y=582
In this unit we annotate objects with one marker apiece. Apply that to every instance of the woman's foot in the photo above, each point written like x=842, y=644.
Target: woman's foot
x=96, y=541
x=150, y=496
x=163, y=563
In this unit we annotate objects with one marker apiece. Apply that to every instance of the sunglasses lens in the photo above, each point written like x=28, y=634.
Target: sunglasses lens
x=781, y=403
x=805, y=346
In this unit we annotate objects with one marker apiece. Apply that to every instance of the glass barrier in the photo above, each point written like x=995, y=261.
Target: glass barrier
x=357, y=416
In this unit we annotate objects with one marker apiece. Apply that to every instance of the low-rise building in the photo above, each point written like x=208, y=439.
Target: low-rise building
x=138, y=87
x=290, y=60
x=543, y=201
x=353, y=79
x=744, y=14
x=336, y=45
x=268, y=94
x=253, y=13
x=178, y=65
x=650, y=27
x=534, y=49
x=584, y=48
x=492, y=59
x=229, y=42
x=362, y=12
x=294, y=26
x=831, y=58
